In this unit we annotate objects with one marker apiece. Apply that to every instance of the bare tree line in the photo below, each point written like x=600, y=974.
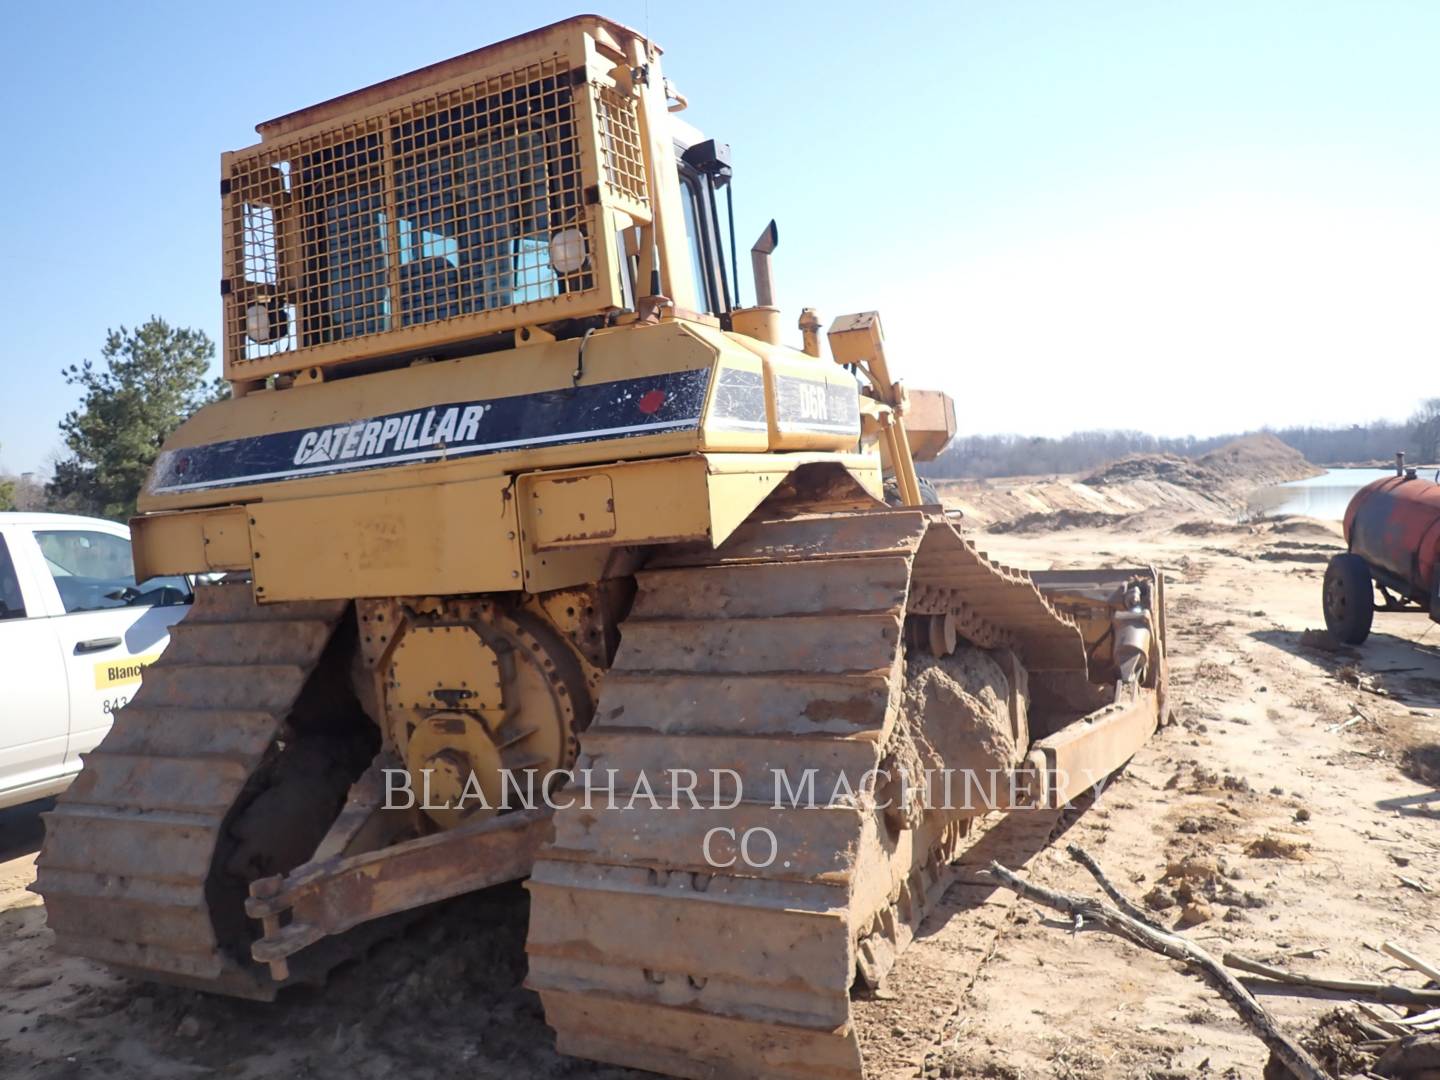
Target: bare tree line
x=980, y=456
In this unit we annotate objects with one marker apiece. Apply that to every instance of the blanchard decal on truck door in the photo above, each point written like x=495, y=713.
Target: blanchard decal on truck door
x=652, y=405
x=119, y=672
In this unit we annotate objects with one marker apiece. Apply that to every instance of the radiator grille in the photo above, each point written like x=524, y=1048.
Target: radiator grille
x=451, y=208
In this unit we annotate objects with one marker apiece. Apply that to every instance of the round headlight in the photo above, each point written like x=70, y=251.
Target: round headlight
x=266, y=322
x=567, y=251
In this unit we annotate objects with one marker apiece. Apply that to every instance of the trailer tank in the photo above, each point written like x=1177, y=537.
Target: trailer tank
x=1392, y=533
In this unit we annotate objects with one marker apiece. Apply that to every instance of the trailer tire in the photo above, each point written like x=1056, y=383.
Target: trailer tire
x=928, y=495
x=1349, y=599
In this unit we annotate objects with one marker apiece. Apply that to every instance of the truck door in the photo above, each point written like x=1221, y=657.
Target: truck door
x=110, y=627
x=34, y=695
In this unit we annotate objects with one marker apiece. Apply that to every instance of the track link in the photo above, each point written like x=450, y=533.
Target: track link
x=129, y=866
x=781, y=650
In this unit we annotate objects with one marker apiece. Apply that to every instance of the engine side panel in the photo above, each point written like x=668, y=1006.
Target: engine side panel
x=481, y=474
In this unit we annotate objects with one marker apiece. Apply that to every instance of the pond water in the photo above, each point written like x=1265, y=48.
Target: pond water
x=1324, y=496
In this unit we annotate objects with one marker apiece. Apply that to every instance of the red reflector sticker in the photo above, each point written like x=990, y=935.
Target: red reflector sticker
x=650, y=403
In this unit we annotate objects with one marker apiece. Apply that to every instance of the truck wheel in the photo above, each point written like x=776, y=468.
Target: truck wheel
x=1349, y=599
x=928, y=493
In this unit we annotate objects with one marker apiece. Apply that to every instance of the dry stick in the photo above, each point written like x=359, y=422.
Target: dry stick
x=1410, y=960
x=1122, y=901
x=1140, y=932
x=1386, y=1025
x=1371, y=991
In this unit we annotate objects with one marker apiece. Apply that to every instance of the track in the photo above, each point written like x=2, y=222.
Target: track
x=781, y=650
x=146, y=855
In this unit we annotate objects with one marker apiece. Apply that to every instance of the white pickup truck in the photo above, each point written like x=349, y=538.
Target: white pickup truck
x=76, y=631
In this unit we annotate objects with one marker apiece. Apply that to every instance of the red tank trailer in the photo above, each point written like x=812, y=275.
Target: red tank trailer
x=1392, y=531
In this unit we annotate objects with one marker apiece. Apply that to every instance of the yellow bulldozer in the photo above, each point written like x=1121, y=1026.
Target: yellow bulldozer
x=527, y=552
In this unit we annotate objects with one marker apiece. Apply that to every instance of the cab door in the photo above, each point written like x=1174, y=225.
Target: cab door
x=110, y=628
x=34, y=689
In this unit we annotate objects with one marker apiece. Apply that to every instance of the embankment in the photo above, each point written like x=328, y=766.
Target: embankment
x=1212, y=485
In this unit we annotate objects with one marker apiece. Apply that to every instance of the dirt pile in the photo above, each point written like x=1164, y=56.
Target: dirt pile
x=1228, y=473
x=1258, y=460
x=1167, y=468
x=1212, y=487
x=1060, y=519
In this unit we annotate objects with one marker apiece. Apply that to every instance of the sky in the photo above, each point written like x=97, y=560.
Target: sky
x=1176, y=217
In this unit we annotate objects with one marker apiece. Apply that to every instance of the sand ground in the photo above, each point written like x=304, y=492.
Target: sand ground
x=1296, y=790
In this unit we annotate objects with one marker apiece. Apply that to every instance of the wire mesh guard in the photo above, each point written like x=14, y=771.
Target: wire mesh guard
x=466, y=203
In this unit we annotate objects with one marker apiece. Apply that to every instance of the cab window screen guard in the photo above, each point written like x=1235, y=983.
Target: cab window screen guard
x=12, y=604
x=478, y=190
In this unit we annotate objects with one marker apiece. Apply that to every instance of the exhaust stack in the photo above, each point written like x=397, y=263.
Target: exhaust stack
x=760, y=253
x=762, y=321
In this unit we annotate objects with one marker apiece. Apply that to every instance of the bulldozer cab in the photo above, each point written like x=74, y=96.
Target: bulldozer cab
x=530, y=185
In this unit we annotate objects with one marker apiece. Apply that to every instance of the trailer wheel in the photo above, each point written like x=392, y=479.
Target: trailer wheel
x=928, y=493
x=1349, y=599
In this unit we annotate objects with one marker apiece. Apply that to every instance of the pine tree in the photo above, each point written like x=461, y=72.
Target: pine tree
x=149, y=382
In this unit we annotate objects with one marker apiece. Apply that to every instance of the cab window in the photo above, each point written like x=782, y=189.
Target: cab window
x=694, y=234
x=93, y=571
x=12, y=604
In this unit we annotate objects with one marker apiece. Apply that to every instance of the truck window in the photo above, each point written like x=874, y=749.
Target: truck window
x=93, y=571
x=12, y=604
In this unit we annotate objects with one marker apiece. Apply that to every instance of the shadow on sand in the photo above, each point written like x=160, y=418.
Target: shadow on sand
x=21, y=829
x=1404, y=669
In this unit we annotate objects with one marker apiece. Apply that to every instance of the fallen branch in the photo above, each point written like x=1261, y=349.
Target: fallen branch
x=1413, y=962
x=1386, y=1025
x=1122, y=901
x=1386, y=993
x=1141, y=932
x=1426, y=1021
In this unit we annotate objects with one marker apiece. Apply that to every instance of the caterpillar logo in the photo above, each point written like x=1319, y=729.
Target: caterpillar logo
x=408, y=431
x=119, y=672
x=646, y=405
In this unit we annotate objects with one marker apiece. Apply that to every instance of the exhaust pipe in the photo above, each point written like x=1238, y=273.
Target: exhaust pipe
x=762, y=321
x=760, y=254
